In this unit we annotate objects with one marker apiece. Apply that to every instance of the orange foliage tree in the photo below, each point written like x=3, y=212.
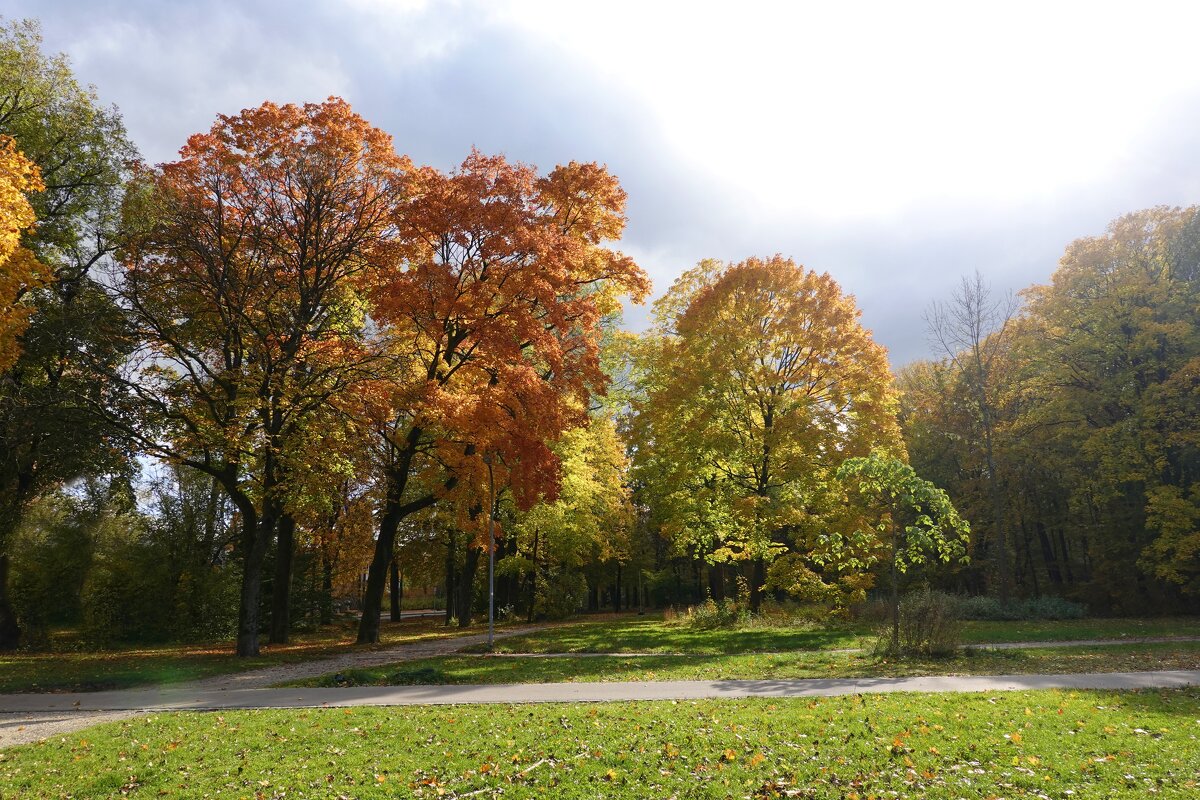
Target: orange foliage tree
x=493, y=321
x=242, y=288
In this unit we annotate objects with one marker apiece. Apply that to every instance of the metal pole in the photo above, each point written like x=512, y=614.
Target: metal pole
x=491, y=553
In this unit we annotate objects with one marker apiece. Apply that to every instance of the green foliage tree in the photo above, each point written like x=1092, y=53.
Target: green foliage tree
x=47, y=435
x=906, y=522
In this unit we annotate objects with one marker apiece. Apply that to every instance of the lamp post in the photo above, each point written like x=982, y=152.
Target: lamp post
x=487, y=459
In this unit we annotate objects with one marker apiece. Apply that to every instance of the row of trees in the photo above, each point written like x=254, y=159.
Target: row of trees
x=301, y=315
x=337, y=362
x=1085, y=399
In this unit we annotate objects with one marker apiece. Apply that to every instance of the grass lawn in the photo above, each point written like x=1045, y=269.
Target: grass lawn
x=1065, y=630
x=62, y=668
x=651, y=634
x=1037, y=744
x=763, y=666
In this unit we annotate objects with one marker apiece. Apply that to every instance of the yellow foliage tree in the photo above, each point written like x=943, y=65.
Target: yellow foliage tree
x=759, y=382
x=20, y=270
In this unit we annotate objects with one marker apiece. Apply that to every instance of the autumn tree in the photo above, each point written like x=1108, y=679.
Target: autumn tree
x=21, y=270
x=242, y=287
x=55, y=318
x=970, y=330
x=589, y=523
x=1091, y=396
x=1113, y=363
x=493, y=318
x=759, y=382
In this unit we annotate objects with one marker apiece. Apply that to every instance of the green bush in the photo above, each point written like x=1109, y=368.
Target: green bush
x=560, y=593
x=929, y=626
x=52, y=552
x=1034, y=608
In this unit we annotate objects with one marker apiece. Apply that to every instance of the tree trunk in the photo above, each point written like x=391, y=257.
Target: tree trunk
x=10, y=630
x=389, y=523
x=451, y=573
x=716, y=581
x=326, y=589
x=281, y=588
x=368, y=625
x=617, y=590
x=256, y=537
x=533, y=576
x=895, y=593
x=394, y=591
x=758, y=576
x=466, y=587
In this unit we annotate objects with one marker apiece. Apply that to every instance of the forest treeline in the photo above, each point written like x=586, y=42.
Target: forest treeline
x=293, y=368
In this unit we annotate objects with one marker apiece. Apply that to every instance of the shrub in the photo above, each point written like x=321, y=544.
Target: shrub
x=560, y=593
x=929, y=626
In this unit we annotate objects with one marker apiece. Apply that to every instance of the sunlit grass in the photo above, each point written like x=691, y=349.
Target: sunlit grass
x=1049, y=744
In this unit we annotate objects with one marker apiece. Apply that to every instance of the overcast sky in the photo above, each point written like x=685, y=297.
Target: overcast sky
x=897, y=146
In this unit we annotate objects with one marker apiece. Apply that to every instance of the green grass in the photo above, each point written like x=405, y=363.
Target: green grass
x=763, y=666
x=651, y=634
x=1075, y=629
x=1035, y=744
x=81, y=670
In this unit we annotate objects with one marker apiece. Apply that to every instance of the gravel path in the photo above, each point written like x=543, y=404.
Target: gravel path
x=32, y=717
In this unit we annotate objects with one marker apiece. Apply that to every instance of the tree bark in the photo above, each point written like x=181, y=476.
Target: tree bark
x=451, y=572
x=281, y=588
x=758, y=576
x=10, y=630
x=466, y=587
x=256, y=536
x=326, y=589
x=389, y=523
x=533, y=576
x=394, y=590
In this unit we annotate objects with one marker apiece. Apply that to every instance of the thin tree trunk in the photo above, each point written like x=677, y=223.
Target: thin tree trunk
x=394, y=591
x=617, y=590
x=451, y=573
x=281, y=588
x=326, y=589
x=533, y=578
x=895, y=593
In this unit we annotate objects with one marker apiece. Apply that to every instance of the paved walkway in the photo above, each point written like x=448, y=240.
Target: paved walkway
x=30, y=717
x=190, y=698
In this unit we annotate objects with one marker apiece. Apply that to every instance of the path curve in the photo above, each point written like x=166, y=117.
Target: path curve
x=30, y=717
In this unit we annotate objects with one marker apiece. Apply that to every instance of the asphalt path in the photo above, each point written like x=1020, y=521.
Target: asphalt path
x=189, y=699
x=30, y=717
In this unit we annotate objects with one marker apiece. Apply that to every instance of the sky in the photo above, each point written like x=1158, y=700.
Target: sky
x=897, y=146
